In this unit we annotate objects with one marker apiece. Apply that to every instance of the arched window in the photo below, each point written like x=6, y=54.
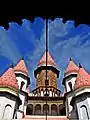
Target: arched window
x=62, y=110
x=7, y=112
x=45, y=109
x=38, y=109
x=70, y=85
x=54, y=109
x=22, y=84
x=84, y=113
x=29, y=110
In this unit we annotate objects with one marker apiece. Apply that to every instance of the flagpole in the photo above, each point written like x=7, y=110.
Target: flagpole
x=46, y=81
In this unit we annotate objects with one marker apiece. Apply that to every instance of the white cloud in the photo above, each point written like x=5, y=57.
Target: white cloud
x=7, y=47
x=33, y=57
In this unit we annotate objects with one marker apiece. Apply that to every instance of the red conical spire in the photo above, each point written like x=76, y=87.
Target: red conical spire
x=8, y=79
x=50, y=60
x=72, y=67
x=21, y=66
x=83, y=79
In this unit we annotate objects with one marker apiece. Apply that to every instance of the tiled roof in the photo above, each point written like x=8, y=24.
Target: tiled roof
x=21, y=67
x=83, y=79
x=72, y=67
x=8, y=79
x=50, y=60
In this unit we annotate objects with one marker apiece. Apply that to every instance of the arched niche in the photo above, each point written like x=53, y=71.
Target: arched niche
x=45, y=109
x=62, y=110
x=54, y=111
x=84, y=112
x=7, y=112
x=29, y=110
x=38, y=109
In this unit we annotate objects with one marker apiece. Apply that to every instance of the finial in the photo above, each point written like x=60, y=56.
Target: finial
x=12, y=65
x=22, y=58
x=80, y=66
x=70, y=59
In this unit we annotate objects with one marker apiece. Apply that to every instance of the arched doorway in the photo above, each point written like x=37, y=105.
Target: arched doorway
x=54, y=110
x=45, y=107
x=29, y=110
x=38, y=109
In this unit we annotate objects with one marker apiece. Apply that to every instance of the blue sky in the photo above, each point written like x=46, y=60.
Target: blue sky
x=28, y=41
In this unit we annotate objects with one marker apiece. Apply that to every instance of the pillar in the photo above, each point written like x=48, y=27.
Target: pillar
x=41, y=109
x=33, y=109
x=58, y=110
x=49, y=109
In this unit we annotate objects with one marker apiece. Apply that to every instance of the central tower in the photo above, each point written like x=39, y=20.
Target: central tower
x=52, y=75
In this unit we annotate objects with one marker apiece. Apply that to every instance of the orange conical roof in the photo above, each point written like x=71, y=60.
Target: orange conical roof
x=8, y=79
x=21, y=66
x=72, y=67
x=50, y=60
x=83, y=79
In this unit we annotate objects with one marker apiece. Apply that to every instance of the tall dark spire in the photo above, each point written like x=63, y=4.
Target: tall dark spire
x=80, y=66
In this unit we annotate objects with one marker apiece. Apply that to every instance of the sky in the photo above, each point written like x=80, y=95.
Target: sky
x=28, y=41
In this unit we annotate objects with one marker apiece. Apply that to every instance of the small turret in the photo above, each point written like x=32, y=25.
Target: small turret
x=23, y=79
x=70, y=76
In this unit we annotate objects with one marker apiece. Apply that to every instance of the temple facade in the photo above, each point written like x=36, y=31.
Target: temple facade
x=17, y=102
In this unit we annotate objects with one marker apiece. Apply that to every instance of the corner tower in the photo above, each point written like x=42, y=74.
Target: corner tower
x=81, y=98
x=9, y=95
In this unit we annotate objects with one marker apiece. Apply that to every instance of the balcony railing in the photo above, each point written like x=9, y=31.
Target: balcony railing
x=41, y=91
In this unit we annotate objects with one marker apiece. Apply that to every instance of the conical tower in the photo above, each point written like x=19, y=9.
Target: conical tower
x=52, y=74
